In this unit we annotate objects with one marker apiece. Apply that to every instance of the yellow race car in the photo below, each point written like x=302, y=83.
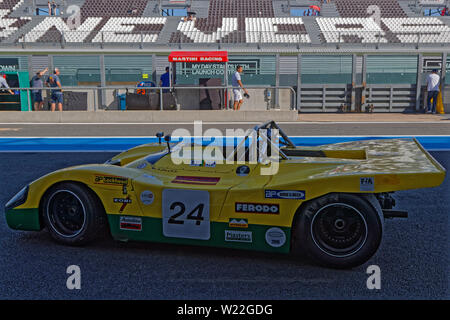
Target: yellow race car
x=263, y=193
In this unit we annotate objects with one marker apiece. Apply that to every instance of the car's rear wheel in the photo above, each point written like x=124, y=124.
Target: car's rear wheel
x=338, y=230
x=73, y=214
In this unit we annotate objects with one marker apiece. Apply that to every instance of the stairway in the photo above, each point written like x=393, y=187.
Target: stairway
x=166, y=32
x=313, y=29
x=329, y=10
x=409, y=8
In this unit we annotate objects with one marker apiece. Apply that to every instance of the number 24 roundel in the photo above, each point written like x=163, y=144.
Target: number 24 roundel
x=185, y=214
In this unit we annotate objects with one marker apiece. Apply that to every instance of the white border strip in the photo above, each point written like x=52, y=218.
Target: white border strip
x=225, y=123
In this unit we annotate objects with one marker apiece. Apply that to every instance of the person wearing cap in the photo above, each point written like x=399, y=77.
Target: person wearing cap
x=4, y=83
x=237, y=88
x=433, y=81
x=37, y=82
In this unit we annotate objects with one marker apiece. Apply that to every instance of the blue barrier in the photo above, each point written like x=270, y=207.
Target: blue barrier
x=118, y=144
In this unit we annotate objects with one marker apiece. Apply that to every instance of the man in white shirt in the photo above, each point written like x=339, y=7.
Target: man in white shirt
x=4, y=84
x=433, y=81
x=237, y=87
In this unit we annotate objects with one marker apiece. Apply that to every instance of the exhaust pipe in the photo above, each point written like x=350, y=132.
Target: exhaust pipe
x=390, y=214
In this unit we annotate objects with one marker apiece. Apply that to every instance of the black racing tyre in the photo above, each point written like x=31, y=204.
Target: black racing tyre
x=338, y=230
x=73, y=214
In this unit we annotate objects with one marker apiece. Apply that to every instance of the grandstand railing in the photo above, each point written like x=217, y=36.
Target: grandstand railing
x=221, y=38
x=108, y=97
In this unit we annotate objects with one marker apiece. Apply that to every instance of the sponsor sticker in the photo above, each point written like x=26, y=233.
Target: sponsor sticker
x=238, y=236
x=131, y=223
x=258, y=208
x=110, y=180
x=367, y=184
x=275, y=237
x=243, y=171
x=147, y=197
x=285, y=194
x=238, y=223
x=202, y=163
x=124, y=203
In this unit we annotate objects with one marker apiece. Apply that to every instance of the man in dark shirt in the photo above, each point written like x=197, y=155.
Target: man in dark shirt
x=56, y=94
x=164, y=81
x=37, y=82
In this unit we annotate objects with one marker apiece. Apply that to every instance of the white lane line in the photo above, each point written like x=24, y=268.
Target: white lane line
x=225, y=123
x=208, y=137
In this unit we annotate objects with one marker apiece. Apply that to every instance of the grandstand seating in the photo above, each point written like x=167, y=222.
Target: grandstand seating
x=361, y=8
x=392, y=30
x=276, y=30
x=227, y=21
x=233, y=21
x=102, y=21
x=10, y=25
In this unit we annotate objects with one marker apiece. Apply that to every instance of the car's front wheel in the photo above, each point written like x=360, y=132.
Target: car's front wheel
x=73, y=214
x=338, y=230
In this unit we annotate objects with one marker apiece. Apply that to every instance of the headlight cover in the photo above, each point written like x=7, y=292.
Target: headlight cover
x=18, y=199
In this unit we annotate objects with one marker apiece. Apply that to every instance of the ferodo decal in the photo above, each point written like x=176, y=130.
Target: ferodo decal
x=124, y=202
x=131, y=223
x=206, y=181
x=258, y=208
x=147, y=197
x=367, y=184
x=238, y=236
x=285, y=194
x=238, y=223
x=110, y=180
x=275, y=237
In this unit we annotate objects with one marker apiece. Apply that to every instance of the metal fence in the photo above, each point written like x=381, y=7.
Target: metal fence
x=345, y=98
x=164, y=98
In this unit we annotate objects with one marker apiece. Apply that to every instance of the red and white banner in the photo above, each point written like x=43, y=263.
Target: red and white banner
x=198, y=56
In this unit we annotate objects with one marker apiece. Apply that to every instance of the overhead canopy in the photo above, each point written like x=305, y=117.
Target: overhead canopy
x=198, y=56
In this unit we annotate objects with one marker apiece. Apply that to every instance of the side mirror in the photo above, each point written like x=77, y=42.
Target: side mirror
x=159, y=135
x=167, y=139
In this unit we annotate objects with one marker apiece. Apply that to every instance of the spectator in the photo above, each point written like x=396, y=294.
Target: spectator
x=164, y=81
x=56, y=94
x=433, y=90
x=51, y=8
x=237, y=88
x=4, y=83
x=190, y=16
x=36, y=82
